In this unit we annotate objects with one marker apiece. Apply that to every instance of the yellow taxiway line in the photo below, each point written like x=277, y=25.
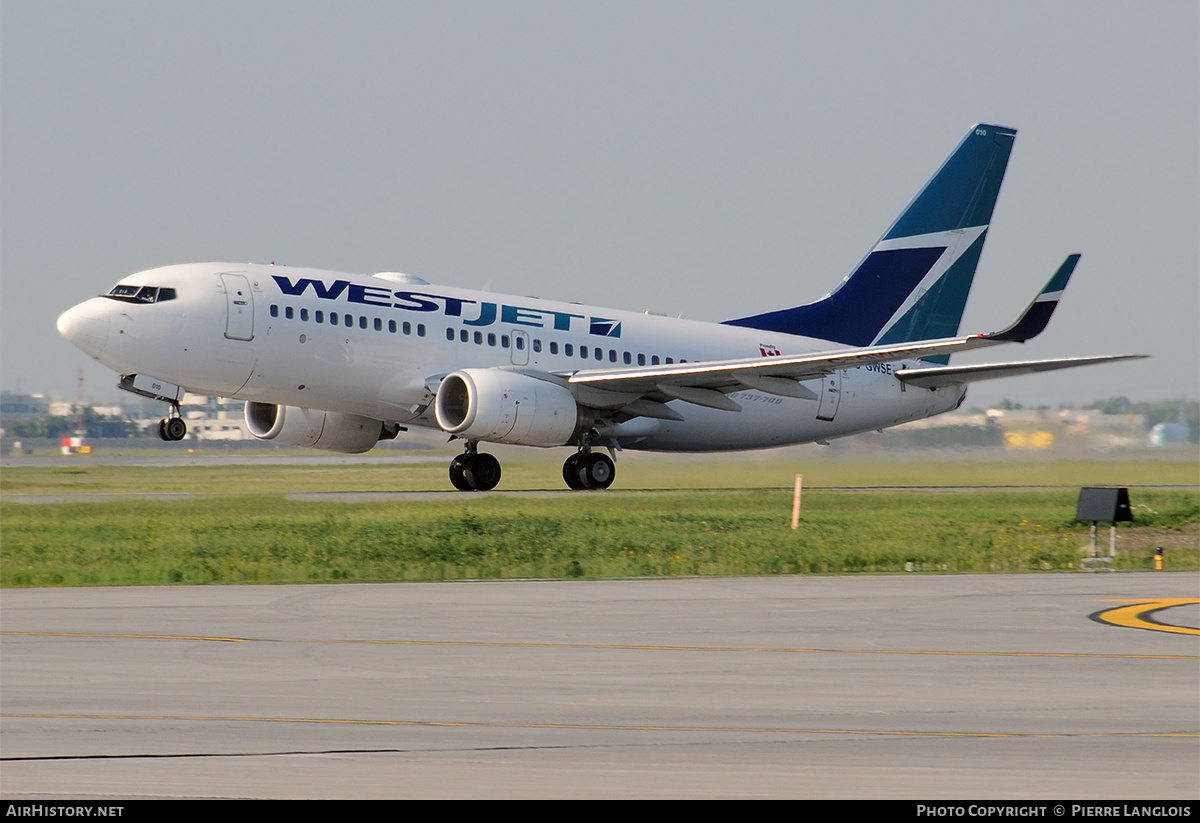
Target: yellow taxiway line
x=1137, y=616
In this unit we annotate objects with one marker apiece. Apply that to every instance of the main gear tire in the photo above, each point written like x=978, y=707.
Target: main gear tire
x=571, y=473
x=458, y=474
x=483, y=472
x=597, y=471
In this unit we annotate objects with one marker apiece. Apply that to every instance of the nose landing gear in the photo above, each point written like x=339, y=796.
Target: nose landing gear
x=172, y=427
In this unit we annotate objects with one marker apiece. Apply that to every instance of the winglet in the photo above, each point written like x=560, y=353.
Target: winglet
x=1037, y=316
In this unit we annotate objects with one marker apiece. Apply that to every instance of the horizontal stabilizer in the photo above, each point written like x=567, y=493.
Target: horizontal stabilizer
x=933, y=378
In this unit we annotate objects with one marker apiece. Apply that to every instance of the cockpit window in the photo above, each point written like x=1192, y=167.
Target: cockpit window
x=141, y=294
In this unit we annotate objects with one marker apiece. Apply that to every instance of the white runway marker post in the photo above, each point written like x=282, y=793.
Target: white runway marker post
x=796, y=503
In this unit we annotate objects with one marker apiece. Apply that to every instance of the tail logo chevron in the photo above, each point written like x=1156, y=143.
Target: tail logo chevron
x=914, y=282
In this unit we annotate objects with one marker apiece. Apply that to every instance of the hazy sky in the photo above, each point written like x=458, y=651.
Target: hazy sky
x=704, y=158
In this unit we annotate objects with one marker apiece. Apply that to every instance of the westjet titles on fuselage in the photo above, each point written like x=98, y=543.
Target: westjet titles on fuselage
x=486, y=313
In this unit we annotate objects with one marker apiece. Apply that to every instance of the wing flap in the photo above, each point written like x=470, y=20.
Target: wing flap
x=700, y=397
x=781, y=386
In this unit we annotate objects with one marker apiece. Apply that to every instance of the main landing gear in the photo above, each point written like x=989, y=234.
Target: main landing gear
x=474, y=471
x=587, y=469
x=172, y=427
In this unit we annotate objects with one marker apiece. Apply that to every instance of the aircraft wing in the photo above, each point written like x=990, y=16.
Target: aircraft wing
x=722, y=374
x=705, y=383
x=948, y=375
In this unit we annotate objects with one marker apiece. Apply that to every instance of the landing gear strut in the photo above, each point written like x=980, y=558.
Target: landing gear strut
x=474, y=471
x=587, y=469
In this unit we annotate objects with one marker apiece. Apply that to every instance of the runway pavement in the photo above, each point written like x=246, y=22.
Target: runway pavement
x=933, y=687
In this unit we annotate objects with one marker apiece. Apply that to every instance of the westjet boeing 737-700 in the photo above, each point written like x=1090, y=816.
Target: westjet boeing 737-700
x=340, y=362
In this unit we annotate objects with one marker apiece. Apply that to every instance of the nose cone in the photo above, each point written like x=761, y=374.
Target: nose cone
x=86, y=326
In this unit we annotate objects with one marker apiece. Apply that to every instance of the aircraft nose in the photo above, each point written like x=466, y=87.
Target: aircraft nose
x=86, y=326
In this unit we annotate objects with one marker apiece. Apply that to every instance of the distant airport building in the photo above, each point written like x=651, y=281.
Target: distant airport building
x=223, y=426
x=1169, y=434
x=15, y=406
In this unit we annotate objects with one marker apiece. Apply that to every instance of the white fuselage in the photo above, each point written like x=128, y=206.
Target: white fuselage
x=378, y=345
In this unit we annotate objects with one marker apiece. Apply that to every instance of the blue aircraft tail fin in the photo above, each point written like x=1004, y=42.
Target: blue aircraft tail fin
x=914, y=282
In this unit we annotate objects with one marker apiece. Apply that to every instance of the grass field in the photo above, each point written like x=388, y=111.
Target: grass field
x=683, y=516
x=530, y=470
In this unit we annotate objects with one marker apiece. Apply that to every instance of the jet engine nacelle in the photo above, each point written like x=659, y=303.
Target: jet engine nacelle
x=316, y=429
x=508, y=407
